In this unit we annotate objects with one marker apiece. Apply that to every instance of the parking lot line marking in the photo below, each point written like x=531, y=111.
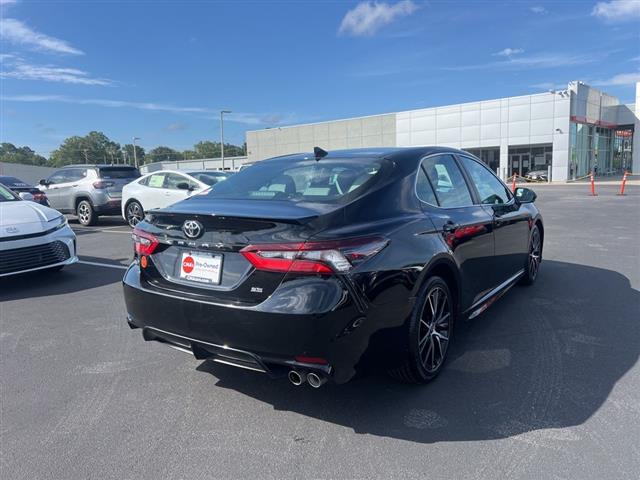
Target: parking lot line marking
x=97, y=264
x=96, y=230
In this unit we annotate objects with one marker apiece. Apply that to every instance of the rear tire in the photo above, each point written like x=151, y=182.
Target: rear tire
x=134, y=213
x=87, y=216
x=428, y=334
x=534, y=257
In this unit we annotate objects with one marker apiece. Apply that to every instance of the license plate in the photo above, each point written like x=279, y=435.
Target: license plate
x=199, y=267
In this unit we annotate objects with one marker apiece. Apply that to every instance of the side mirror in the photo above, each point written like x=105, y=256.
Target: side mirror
x=183, y=186
x=525, y=195
x=43, y=182
x=26, y=196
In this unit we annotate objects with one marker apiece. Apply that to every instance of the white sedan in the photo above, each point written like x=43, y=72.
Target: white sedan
x=32, y=236
x=163, y=188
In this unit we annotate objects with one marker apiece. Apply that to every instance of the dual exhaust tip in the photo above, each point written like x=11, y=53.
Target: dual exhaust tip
x=298, y=378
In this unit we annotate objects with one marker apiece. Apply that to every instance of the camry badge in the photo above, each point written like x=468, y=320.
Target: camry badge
x=11, y=230
x=192, y=228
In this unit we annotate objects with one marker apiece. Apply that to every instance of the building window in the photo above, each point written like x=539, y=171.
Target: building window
x=529, y=158
x=591, y=149
x=623, y=149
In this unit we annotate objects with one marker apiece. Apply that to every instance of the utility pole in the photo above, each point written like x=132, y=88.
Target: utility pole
x=135, y=155
x=86, y=157
x=222, y=112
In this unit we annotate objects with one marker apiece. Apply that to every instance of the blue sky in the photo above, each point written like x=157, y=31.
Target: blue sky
x=162, y=70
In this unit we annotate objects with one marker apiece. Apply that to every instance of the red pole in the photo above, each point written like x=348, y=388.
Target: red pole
x=624, y=181
x=593, y=187
x=513, y=184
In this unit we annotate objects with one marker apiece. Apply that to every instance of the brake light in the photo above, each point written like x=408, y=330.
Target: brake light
x=143, y=242
x=102, y=184
x=324, y=257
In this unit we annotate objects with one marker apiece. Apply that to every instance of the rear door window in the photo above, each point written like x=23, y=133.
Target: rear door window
x=450, y=187
x=424, y=190
x=156, y=180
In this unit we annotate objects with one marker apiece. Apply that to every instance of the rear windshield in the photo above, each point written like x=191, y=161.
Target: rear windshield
x=210, y=178
x=6, y=195
x=119, y=172
x=13, y=182
x=326, y=180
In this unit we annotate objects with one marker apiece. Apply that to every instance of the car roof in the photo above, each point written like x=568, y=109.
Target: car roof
x=97, y=165
x=377, y=152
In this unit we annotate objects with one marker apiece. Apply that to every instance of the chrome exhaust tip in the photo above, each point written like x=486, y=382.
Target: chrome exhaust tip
x=296, y=378
x=315, y=380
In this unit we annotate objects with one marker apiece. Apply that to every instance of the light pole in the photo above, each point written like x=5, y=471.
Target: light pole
x=222, y=112
x=135, y=156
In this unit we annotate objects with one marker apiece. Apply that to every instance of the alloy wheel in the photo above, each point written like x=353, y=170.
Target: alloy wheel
x=435, y=329
x=534, y=254
x=84, y=213
x=134, y=214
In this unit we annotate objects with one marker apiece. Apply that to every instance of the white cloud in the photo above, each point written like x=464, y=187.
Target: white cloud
x=368, y=17
x=617, y=10
x=531, y=61
x=176, y=127
x=16, y=68
x=538, y=9
x=211, y=113
x=18, y=33
x=507, y=52
x=622, y=79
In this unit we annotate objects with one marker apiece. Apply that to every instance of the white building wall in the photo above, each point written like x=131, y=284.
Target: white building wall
x=521, y=121
x=516, y=121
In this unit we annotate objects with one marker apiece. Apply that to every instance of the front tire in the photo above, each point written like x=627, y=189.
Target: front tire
x=429, y=333
x=87, y=216
x=134, y=213
x=534, y=257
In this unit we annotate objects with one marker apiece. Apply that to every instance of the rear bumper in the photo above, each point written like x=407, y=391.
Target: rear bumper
x=112, y=207
x=257, y=337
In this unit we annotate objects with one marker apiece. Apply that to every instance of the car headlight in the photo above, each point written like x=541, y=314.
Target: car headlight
x=58, y=223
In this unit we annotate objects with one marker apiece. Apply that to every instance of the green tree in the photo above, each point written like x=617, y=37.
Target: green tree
x=140, y=153
x=207, y=149
x=162, y=154
x=189, y=155
x=9, y=153
x=95, y=147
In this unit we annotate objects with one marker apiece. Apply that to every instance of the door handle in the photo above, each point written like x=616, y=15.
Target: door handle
x=450, y=227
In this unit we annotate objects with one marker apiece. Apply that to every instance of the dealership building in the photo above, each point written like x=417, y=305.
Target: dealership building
x=567, y=131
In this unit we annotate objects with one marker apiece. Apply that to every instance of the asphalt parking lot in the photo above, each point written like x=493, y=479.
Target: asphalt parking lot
x=545, y=384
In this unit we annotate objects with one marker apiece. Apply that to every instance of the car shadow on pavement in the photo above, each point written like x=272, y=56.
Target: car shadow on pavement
x=541, y=359
x=73, y=278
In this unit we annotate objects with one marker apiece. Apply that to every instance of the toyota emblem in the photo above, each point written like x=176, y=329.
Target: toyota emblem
x=192, y=228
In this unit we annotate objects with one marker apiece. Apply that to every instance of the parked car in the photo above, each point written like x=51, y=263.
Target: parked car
x=88, y=190
x=314, y=265
x=537, y=176
x=163, y=188
x=18, y=186
x=32, y=236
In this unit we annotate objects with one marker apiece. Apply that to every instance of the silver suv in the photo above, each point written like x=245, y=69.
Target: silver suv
x=88, y=190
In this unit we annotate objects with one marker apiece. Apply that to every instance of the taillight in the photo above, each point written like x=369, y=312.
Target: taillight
x=143, y=242
x=323, y=257
x=102, y=184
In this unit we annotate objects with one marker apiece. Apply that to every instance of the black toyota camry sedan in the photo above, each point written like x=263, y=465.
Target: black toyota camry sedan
x=313, y=265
